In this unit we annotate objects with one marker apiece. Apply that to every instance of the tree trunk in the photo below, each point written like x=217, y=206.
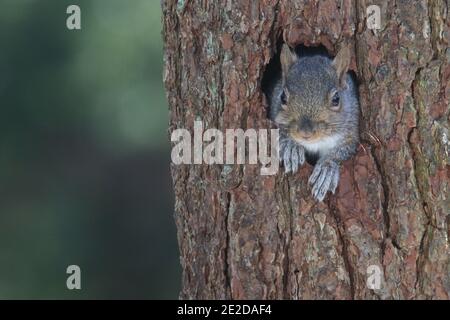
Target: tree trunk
x=247, y=236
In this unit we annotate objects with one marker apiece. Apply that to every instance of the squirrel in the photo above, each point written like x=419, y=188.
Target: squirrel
x=314, y=103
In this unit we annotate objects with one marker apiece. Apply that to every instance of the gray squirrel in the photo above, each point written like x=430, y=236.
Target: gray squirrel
x=314, y=103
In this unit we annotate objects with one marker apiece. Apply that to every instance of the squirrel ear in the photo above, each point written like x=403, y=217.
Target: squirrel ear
x=287, y=58
x=282, y=118
x=341, y=63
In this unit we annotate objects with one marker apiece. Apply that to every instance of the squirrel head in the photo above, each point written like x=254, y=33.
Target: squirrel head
x=311, y=99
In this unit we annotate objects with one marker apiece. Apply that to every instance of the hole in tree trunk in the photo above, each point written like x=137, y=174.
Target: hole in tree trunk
x=272, y=74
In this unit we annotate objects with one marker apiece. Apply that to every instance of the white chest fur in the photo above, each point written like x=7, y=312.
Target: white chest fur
x=322, y=146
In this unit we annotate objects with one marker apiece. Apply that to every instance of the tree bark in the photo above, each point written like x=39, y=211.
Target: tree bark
x=247, y=236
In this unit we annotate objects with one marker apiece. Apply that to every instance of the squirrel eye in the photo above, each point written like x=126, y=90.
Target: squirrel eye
x=335, y=99
x=283, y=98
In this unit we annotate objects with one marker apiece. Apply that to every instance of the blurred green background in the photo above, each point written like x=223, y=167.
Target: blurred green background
x=84, y=152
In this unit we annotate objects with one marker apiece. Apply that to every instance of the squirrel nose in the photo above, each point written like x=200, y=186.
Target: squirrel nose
x=306, y=126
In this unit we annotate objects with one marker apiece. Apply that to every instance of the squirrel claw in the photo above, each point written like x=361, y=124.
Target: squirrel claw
x=292, y=155
x=325, y=177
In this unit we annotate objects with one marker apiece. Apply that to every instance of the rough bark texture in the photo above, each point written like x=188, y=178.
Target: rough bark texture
x=243, y=235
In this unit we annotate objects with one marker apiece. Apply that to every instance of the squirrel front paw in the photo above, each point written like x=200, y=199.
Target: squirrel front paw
x=292, y=154
x=325, y=177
